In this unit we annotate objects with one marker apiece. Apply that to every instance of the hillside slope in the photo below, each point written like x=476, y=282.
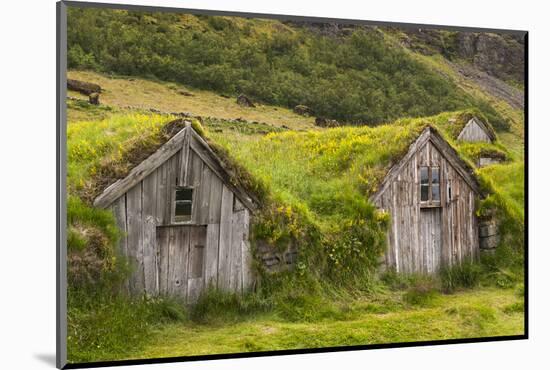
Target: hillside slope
x=356, y=75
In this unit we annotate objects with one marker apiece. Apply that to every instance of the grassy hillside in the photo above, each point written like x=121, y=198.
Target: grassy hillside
x=341, y=165
x=356, y=76
x=314, y=183
x=124, y=94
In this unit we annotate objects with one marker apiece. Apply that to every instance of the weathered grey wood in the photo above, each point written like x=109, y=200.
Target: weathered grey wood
x=178, y=261
x=149, y=192
x=201, y=148
x=164, y=234
x=429, y=134
x=211, y=254
x=183, y=170
x=476, y=131
x=224, y=257
x=143, y=169
x=215, y=204
x=150, y=268
x=161, y=195
x=204, y=201
x=246, y=254
x=197, y=242
x=135, y=238
x=119, y=210
x=237, y=238
x=422, y=240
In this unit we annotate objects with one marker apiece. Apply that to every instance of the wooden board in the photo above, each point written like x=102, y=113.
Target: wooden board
x=197, y=245
x=142, y=170
x=246, y=252
x=177, y=261
x=211, y=253
x=237, y=238
x=135, y=239
x=224, y=258
x=150, y=268
x=119, y=210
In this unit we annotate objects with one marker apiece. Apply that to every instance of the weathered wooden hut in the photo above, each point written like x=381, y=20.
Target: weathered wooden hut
x=430, y=195
x=185, y=223
x=476, y=130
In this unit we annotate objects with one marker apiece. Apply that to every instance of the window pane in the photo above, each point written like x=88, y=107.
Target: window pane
x=183, y=208
x=424, y=175
x=435, y=175
x=184, y=194
x=435, y=192
x=424, y=192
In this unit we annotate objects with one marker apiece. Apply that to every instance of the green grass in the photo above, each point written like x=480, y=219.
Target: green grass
x=470, y=314
x=119, y=93
x=93, y=143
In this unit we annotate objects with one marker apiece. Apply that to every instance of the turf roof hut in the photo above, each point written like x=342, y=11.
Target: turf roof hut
x=185, y=222
x=430, y=195
x=476, y=130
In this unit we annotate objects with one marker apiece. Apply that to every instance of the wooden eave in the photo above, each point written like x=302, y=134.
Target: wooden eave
x=185, y=138
x=430, y=134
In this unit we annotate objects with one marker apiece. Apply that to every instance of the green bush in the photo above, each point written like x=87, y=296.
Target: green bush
x=360, y=78
x=464, y=275
x=217, y=307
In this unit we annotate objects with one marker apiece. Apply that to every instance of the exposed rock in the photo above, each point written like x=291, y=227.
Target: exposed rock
x=244, y=101
x=324, y=122
x=93, y=98
x=303, y=110
x=185, y=93
x=83, y=87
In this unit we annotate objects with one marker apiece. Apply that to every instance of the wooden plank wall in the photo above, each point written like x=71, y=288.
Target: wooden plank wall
x=163, y=254
x=410, y=235
x=472, y=132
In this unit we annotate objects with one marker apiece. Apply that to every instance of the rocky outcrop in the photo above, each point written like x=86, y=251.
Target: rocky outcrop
x=303, y=110
x=501, y=56
x=244, y=101
x=324, y=122
x=83, y=87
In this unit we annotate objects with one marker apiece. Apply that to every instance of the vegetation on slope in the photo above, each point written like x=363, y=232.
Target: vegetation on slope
x=339, y=231
x=357, y=78
x=323, y=179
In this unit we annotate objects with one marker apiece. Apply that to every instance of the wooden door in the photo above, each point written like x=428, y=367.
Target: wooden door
x=430, y=239
x=181, y=260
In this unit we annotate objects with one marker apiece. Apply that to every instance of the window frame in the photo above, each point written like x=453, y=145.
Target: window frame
x=430, y=202
x=175, y=202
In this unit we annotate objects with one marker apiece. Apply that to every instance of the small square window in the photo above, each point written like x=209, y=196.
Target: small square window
x=430, y=191
x=184, y=203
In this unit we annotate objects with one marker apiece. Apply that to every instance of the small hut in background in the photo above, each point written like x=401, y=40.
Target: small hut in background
x=477, y=131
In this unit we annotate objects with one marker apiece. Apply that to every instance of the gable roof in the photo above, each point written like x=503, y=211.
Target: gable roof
x=186, y=139
x=432, y=135
x=484, y=126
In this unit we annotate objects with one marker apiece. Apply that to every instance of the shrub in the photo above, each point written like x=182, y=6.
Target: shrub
x=358, y=78
x=514, y=308
x=464, y=275
x=101, y=326
x=216, y=307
